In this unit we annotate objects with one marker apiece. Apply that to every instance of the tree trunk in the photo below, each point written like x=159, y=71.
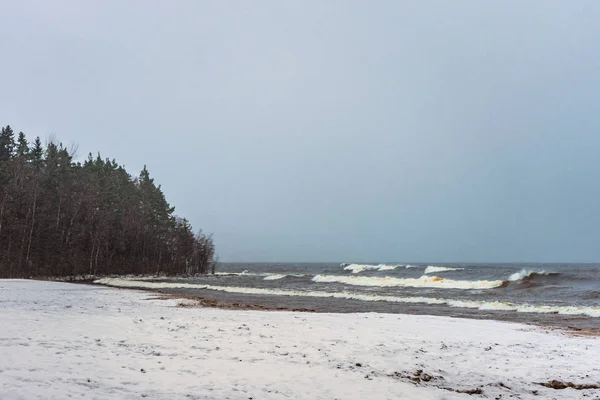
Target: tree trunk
x=58, y=213
x=97, y=254
x=2, y=212
x=24, y=236
x=92, y=255
x=32, y=225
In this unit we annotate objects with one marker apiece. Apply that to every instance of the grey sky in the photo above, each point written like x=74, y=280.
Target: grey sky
x=332, y=130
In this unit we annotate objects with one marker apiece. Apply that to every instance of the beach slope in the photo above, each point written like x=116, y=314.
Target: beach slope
x=59, y=340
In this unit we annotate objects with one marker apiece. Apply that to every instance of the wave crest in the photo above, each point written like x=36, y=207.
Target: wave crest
x=432, y=268
x=423, y=281
x=243, y=273
x=358, y=268
x=526, y=274
x=387, y=267
x=274, y=277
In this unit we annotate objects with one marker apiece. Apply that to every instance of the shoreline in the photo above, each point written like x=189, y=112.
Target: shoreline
x=227, y=301
x=97, y=341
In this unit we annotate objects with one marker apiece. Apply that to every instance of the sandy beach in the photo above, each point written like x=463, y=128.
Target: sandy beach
x=64, y=340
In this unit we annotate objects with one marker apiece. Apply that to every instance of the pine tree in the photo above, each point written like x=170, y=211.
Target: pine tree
x=155, y=204
x=7, y=143
x=36, y=154
x=22, y=145
x=59, y=218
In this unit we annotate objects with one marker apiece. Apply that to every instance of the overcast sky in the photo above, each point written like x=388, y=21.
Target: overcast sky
x=332, y=130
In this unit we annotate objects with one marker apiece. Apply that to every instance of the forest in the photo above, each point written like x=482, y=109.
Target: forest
x=61, y=218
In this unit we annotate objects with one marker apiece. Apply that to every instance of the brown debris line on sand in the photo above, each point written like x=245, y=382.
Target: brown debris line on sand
x=571, y=330
x=202, y=302
x=419, y=377
x=499, y=384
x=416, y=377
x=556, y=384
x=465, y=391
x=567, y=330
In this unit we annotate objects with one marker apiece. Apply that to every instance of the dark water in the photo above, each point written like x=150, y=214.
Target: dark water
x=551, y=294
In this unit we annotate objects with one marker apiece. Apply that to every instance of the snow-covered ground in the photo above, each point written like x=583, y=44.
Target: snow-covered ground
x=60, y=340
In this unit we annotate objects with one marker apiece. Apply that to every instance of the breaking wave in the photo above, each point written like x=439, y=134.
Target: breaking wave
x=243, y=273
x=387, y=267
x=357, y=268
x=526, y=274
x=481, y=305
x=274, y=277
x=432, y=268
x=423, y=281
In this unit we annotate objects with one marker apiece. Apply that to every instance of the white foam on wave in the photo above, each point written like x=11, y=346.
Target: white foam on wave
x=267, y=276
x=423, y=281
x=358, y=268
x=432, y=268
x=387, y=267
x=481, y=305
x=525, y=273
x=274, y=277
x=243, y=273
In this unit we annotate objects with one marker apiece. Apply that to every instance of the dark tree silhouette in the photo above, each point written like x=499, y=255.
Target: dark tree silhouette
x=60, y=218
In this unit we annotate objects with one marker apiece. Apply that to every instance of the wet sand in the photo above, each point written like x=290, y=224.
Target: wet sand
x=577, y=323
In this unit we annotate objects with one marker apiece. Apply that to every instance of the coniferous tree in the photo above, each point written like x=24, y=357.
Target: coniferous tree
x=22, y=145
x=60, y=218
x=36, y=153
x=7, y=143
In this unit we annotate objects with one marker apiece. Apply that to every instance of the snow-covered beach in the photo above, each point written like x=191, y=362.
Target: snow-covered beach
x=62, y=340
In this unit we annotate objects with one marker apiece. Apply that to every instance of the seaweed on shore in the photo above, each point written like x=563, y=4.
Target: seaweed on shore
x=556, y=384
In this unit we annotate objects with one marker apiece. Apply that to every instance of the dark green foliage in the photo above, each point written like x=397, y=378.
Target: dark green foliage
x=7, y=143
x=36, y=153
x=58, y=218
x=22, y=145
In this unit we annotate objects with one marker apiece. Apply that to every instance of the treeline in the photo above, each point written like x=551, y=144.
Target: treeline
x=61, y=218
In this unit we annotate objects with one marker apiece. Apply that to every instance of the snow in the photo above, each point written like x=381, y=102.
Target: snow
x=64, y=340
